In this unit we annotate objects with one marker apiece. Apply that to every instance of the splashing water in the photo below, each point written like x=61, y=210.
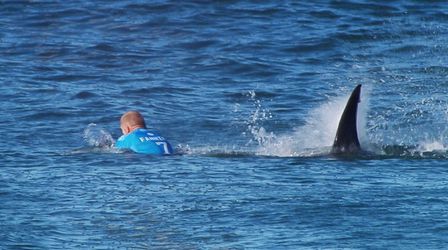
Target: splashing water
x=96, y=136
x=434, y=146
x=431, y=147
x=259, y=115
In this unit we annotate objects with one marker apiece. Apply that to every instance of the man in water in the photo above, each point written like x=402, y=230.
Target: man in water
x=140, y=139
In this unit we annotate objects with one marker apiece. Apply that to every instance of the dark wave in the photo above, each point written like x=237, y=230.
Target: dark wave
x=156, y=90
x=84, y=95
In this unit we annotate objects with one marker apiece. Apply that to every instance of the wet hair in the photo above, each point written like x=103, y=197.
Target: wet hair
x=133, y=118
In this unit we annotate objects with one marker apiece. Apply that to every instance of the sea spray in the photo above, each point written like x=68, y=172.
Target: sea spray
x=417, y=124
x=250, y=115
x=256, y=118
x=97, y=136
x=433, y=145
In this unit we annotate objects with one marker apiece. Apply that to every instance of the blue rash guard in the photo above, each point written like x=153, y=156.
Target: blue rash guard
x=146, y=141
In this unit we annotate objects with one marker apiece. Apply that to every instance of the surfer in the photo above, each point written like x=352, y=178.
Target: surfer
x=140, y=139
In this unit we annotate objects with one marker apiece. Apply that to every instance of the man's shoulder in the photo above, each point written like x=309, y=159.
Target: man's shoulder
x=147, y=132
x=123, y=141
x=122, y=138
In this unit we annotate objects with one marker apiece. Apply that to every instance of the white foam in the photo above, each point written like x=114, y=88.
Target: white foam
x=432, y=146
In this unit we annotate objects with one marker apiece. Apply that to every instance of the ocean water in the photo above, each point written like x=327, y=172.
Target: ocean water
x=249, y=93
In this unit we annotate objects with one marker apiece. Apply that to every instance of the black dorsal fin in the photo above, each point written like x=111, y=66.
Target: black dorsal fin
x=346, y=140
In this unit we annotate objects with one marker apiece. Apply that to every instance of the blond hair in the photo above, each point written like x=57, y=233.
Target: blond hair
x=133, y=119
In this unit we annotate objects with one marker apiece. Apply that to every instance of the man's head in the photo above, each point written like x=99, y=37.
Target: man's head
x=130, y=121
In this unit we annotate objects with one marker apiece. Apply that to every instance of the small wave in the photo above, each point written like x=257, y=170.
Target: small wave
x=65, y=77
x=96, y=150
x=433, y=146
x=151, y=7
x=312, y=46
x=405, y=49
x=214, y=151
x=324, y=14
x=104, y=47
x=197, y=45
x=155, y=90
x=47, y=115
x=432, y=150
x=84, y=95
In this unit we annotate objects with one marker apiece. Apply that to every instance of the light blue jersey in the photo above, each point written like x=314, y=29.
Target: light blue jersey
x=146, y=141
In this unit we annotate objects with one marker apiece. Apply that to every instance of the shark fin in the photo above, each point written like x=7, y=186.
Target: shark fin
x=346, y=140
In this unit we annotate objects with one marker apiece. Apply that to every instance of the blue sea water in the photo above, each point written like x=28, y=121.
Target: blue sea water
x=249, y=93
